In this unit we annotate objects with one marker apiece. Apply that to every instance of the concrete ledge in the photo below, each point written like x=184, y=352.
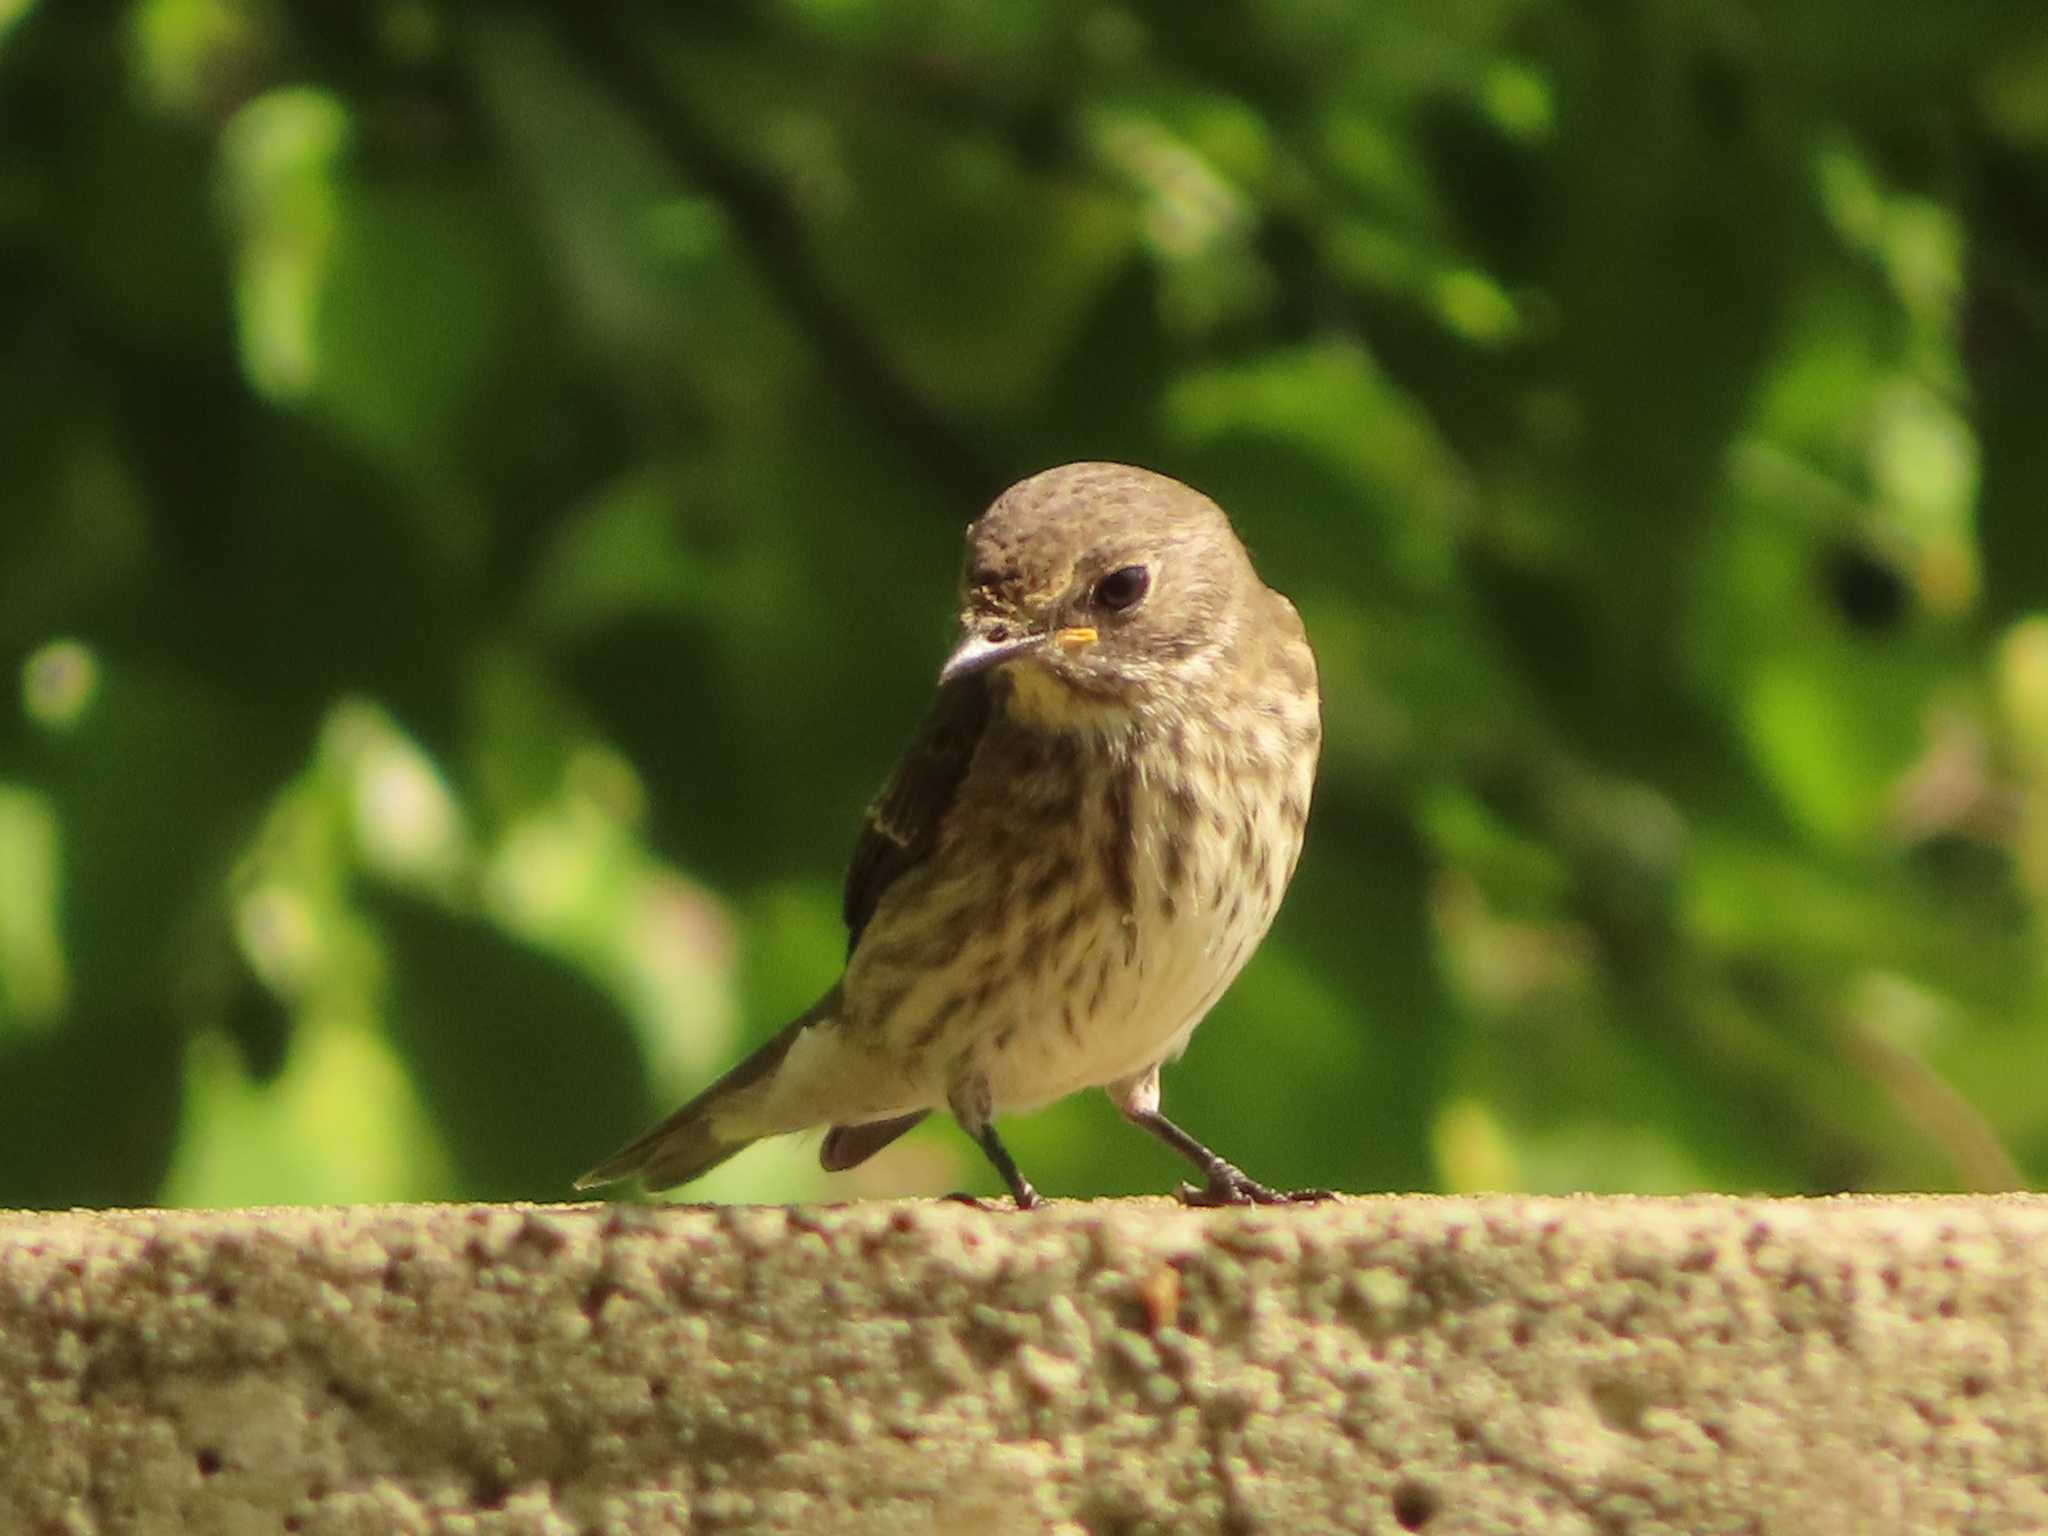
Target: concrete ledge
x=1454, y=1366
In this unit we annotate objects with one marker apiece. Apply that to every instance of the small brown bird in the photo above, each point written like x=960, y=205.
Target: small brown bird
x=1074, y=858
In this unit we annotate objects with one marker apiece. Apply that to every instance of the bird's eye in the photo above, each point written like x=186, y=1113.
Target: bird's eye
x=1122, y=589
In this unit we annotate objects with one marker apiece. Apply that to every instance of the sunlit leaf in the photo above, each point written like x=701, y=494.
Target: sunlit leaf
x=341, y=1123
x=34, y=980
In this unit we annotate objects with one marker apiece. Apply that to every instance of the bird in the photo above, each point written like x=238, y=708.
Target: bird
x=1077, y=853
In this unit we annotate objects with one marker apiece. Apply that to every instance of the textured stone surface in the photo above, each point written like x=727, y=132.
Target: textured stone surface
x=1412, y=1364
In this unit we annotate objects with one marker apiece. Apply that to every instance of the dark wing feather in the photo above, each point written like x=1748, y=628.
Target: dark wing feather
x=902, y=825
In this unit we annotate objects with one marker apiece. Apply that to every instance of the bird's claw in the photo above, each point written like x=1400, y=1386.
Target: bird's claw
x=1230, y=1185
x=1030, y=1200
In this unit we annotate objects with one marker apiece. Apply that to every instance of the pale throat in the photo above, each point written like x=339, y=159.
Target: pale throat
x=1040, y=700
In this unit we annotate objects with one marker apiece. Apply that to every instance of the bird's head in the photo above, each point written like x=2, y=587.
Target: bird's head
x=1100, y=589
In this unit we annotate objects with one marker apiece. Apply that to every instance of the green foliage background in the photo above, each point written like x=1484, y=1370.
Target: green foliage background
x=480, y=490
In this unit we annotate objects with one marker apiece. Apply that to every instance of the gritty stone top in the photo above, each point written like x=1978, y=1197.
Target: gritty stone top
x=1387, y=1364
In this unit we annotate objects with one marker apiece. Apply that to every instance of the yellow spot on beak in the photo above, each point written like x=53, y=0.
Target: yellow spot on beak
x=1078, y=638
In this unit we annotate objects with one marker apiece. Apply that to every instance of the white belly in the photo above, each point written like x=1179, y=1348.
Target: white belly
x=1147, y=978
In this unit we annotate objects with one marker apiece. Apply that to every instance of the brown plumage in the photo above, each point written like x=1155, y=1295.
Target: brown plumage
x=1074, y=857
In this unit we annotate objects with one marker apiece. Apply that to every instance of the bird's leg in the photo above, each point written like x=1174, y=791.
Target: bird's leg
x=1020, y=1187
x=1224, y=1183
x=971, y=1107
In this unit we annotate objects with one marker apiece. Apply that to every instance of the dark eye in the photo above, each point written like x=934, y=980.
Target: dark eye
x=1121, y=589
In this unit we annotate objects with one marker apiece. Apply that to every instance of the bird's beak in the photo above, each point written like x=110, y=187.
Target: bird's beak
x=977, y=653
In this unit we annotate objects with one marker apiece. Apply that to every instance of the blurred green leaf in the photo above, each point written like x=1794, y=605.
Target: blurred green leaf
x=279, y=159
x=34, y=982
x=526, y=1070
x=341, y=1123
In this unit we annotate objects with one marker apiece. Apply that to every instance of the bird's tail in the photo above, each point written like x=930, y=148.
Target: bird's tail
x=700, y=1136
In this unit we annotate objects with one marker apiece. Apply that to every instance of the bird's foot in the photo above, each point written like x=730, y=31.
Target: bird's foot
x=1230, y=1185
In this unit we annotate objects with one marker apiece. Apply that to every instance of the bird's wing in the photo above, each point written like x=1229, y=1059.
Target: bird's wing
x=902, y=825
